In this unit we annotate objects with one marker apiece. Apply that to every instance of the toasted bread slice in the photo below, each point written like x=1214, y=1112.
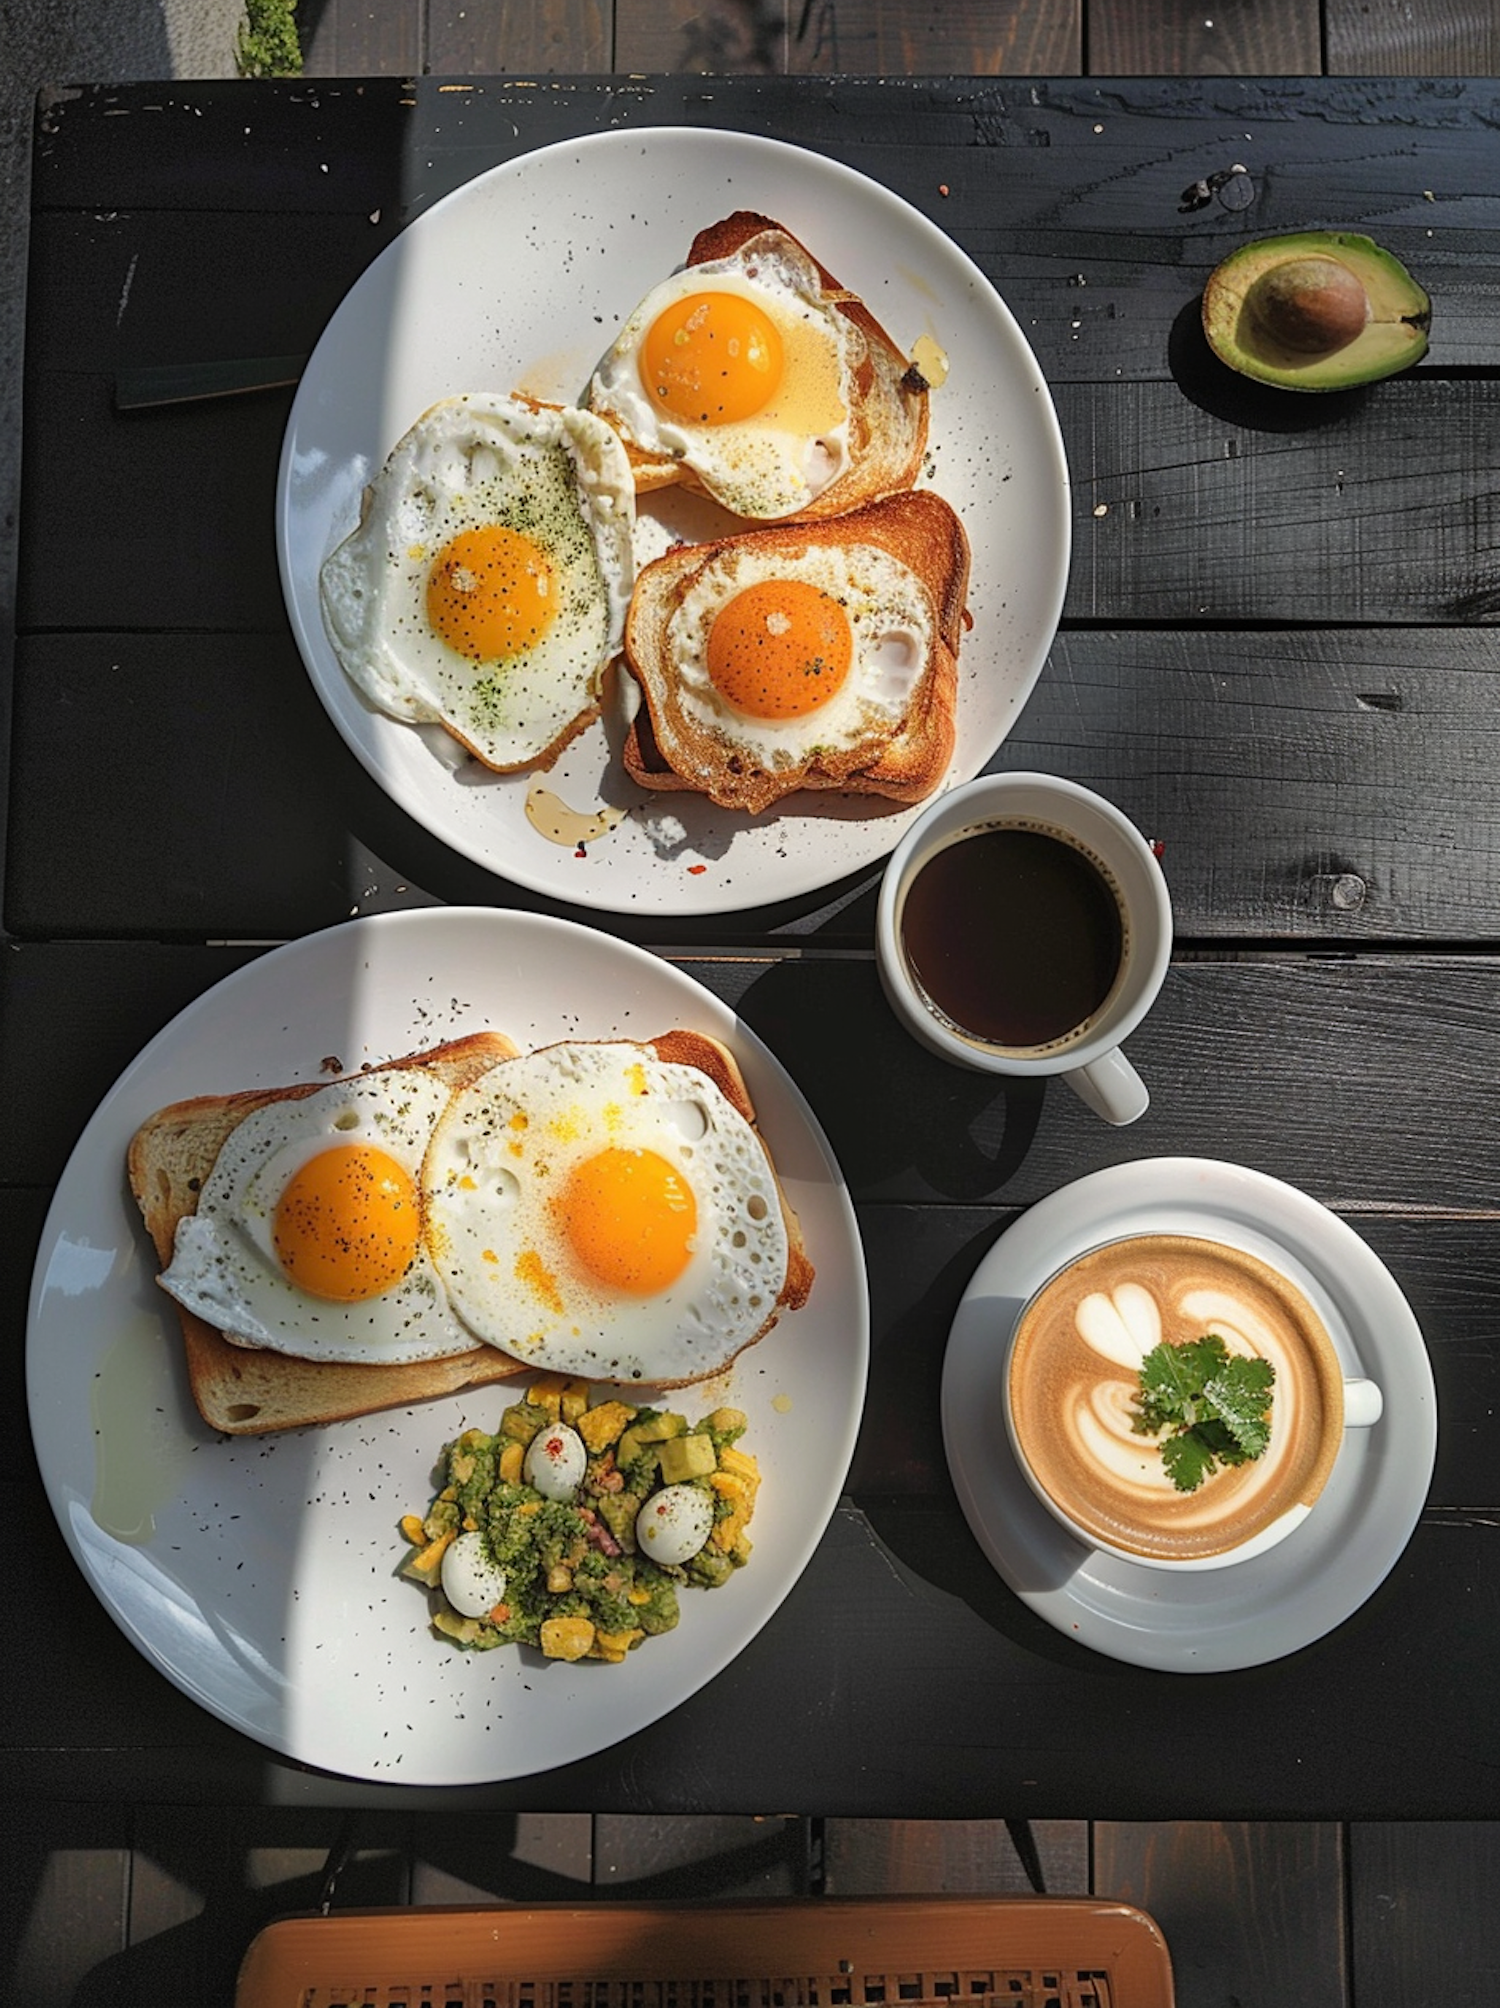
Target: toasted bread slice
x=246, y=1390
x=670, y=746
x=887, y=394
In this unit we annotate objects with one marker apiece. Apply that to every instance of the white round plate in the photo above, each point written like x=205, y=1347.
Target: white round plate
x=267, y=1587
x=519, y=280
x=1253, y=1611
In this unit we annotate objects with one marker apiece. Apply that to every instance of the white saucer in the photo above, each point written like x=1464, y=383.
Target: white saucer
x=1257, y=1610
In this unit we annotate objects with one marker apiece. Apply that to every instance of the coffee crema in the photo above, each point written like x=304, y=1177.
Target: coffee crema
x=1015, y=934
x=1073, y=1381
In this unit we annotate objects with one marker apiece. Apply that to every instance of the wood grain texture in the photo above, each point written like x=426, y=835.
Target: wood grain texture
x=1212, y=38
x=1187, y=514
x=66, y=1872
x=529, y=1857
x=1250, y=1913
x=642, y=1859
x=1422, y=1904
x=362, y=38
x=1404, y=850
x=847, y=37
x=1440, y=38
x=951, y=1857
x=518, y=38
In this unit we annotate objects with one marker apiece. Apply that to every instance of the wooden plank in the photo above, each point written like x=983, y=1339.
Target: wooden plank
x=919, y=1267
x=950, y=1857
x=896, y=1601
x=1441, y=38
x=362, y=38
x=886, y=38
x=202, y=1887
x=1249, y=1913
x=1189, y=513
x=1191, y=38
x=1405, y=851
x=1422, y=1904
x=1235, y=511
x=519, y=38
x=66, y=1874
x=703, y=1858
x=527, y=1858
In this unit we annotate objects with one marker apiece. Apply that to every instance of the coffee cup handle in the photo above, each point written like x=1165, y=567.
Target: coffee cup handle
x=1363, y=1404
x=1111, y=1087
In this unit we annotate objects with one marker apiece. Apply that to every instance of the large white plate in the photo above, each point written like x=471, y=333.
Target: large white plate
x=519, y=280
x=267, y=1590
x=1320, y=1574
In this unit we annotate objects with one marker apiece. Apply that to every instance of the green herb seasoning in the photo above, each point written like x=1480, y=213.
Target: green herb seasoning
x=1214, y=1405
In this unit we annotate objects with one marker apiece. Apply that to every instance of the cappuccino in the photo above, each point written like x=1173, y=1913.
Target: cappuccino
x=1073, y=1382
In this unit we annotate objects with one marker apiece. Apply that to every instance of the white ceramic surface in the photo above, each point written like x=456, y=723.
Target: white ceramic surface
x=1322, y=1572
x=519, y=280
x=268, y=1589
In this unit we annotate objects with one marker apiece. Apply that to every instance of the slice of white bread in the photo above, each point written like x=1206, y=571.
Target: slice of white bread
x=246, y=1390
x=667, y=748
x=888, y=394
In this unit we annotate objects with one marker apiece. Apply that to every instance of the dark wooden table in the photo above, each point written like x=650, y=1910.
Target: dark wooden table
x=1273, y=656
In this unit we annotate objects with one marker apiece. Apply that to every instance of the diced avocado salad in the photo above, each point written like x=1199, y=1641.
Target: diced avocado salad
x=573, y=1527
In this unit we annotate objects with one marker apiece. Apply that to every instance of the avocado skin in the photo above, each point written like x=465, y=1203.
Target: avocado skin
x=1394, y=337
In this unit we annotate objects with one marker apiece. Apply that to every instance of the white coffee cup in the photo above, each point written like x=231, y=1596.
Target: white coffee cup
x=1292, y=1329
x=1088, y=1056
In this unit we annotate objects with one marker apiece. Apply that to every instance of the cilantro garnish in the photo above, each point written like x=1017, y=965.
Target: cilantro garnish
x=1217, y=1406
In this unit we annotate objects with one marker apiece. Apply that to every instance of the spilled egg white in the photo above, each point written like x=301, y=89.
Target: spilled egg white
x=595, y=1211
x=486, y=583
x=226, y=1264
x=795, y=386
x=890, y=625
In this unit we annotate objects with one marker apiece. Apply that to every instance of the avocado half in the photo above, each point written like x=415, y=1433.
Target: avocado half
x=1316, y=310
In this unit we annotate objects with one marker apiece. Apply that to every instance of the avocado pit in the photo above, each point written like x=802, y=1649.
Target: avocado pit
x=1315, y=310
x=1313, y=306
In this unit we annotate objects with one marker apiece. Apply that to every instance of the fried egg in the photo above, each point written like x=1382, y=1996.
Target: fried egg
x=595, y=1211
x=741, y=370
x=307, y=1238
x=486, y=584
x=790, y=658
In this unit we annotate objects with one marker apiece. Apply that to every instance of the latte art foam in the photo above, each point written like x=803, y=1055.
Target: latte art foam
x=1074, y=1381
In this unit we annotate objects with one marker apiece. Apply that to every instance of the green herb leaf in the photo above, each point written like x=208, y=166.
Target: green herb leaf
x=1215, y=1404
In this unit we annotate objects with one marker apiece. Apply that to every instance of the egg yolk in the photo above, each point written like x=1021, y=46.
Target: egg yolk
x=630, y=1218
x=779, y=649
x=347, y=1223
x=712, y=358
x=491, y=593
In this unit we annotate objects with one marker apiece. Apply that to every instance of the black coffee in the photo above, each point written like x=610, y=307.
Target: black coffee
x=1015, y=935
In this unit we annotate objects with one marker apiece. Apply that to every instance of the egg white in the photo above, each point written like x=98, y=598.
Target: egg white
x=505, y=1150
x=224, y=1265
x=560, y=477
x=778, y=461
x=890, y=617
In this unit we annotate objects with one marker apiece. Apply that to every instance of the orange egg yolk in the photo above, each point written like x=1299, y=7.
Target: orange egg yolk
x=630, y=1218
x=491, y=593
x=779, y=649
x=347, y=1223
x=712, y=358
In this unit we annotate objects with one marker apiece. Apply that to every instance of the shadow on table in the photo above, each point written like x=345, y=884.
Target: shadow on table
x=1258, y=407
